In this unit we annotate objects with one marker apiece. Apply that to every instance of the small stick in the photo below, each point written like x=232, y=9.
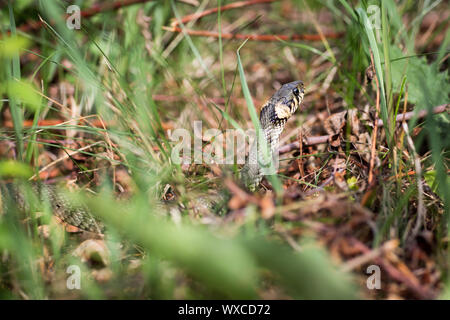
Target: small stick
x=368, y=256
x=92, y=11
x=67, y=155
x=256, y=37
x=420, y=114
x=300, y=159
x=309, y=141
x=230, y=6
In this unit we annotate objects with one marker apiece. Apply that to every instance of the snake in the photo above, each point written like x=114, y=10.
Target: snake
x=17, y=195
x=272, y=120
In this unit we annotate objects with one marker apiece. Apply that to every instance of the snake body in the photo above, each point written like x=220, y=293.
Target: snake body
x=76, y=214
x=273, y=117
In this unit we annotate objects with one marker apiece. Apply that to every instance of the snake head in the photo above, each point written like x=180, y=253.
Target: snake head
x=287, y=99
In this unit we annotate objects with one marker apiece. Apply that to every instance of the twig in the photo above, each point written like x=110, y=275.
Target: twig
x=366, y=257
x=300, y=159
x=309, y=141
x=320, y=188
x=107, y=6
x=321, y=35
x=92, y=11
x=421, y=114
x=230, y=6
x=257, y=37
x=67, y=155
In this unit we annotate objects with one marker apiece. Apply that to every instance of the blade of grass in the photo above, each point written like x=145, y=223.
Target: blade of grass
x=379, y=71
x=32, y=147
x=262, y=143
x=191, y=43
x=387, y=65
x=220, y=264
x=222, y=68
x=16, y=112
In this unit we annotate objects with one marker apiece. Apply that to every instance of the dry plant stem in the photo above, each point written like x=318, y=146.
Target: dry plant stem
x=95, y=9
x=321, y=35
x=366, y=257
x=399, y=141
x=309, y=141
x=234, y=5
x=375, y=129
x=421, y=114
x=174, y=43
x=420, y=205
x=257, y=37
x=300, y=159
x=67, y=155
x=320, y=188
x=107, y=6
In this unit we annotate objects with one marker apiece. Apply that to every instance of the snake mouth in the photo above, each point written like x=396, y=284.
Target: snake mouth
x=297, y=99
x=294, y=103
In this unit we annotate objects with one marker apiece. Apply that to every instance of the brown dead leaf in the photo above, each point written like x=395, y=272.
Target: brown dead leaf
x=125, y=181
x=240, y=198
x=354, y=121
x=335, y=141
x=339, y=180
x=236, y=202
x=267, y=207
x=362, y=142
x=334, y=123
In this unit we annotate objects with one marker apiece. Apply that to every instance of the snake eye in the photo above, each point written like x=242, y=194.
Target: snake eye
x=295, y=91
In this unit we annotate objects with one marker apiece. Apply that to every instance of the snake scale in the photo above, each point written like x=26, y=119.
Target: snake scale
x=75, y=214
x=273, y=117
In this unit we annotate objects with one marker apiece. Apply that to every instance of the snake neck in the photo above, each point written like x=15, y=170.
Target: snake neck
x=258, y=162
